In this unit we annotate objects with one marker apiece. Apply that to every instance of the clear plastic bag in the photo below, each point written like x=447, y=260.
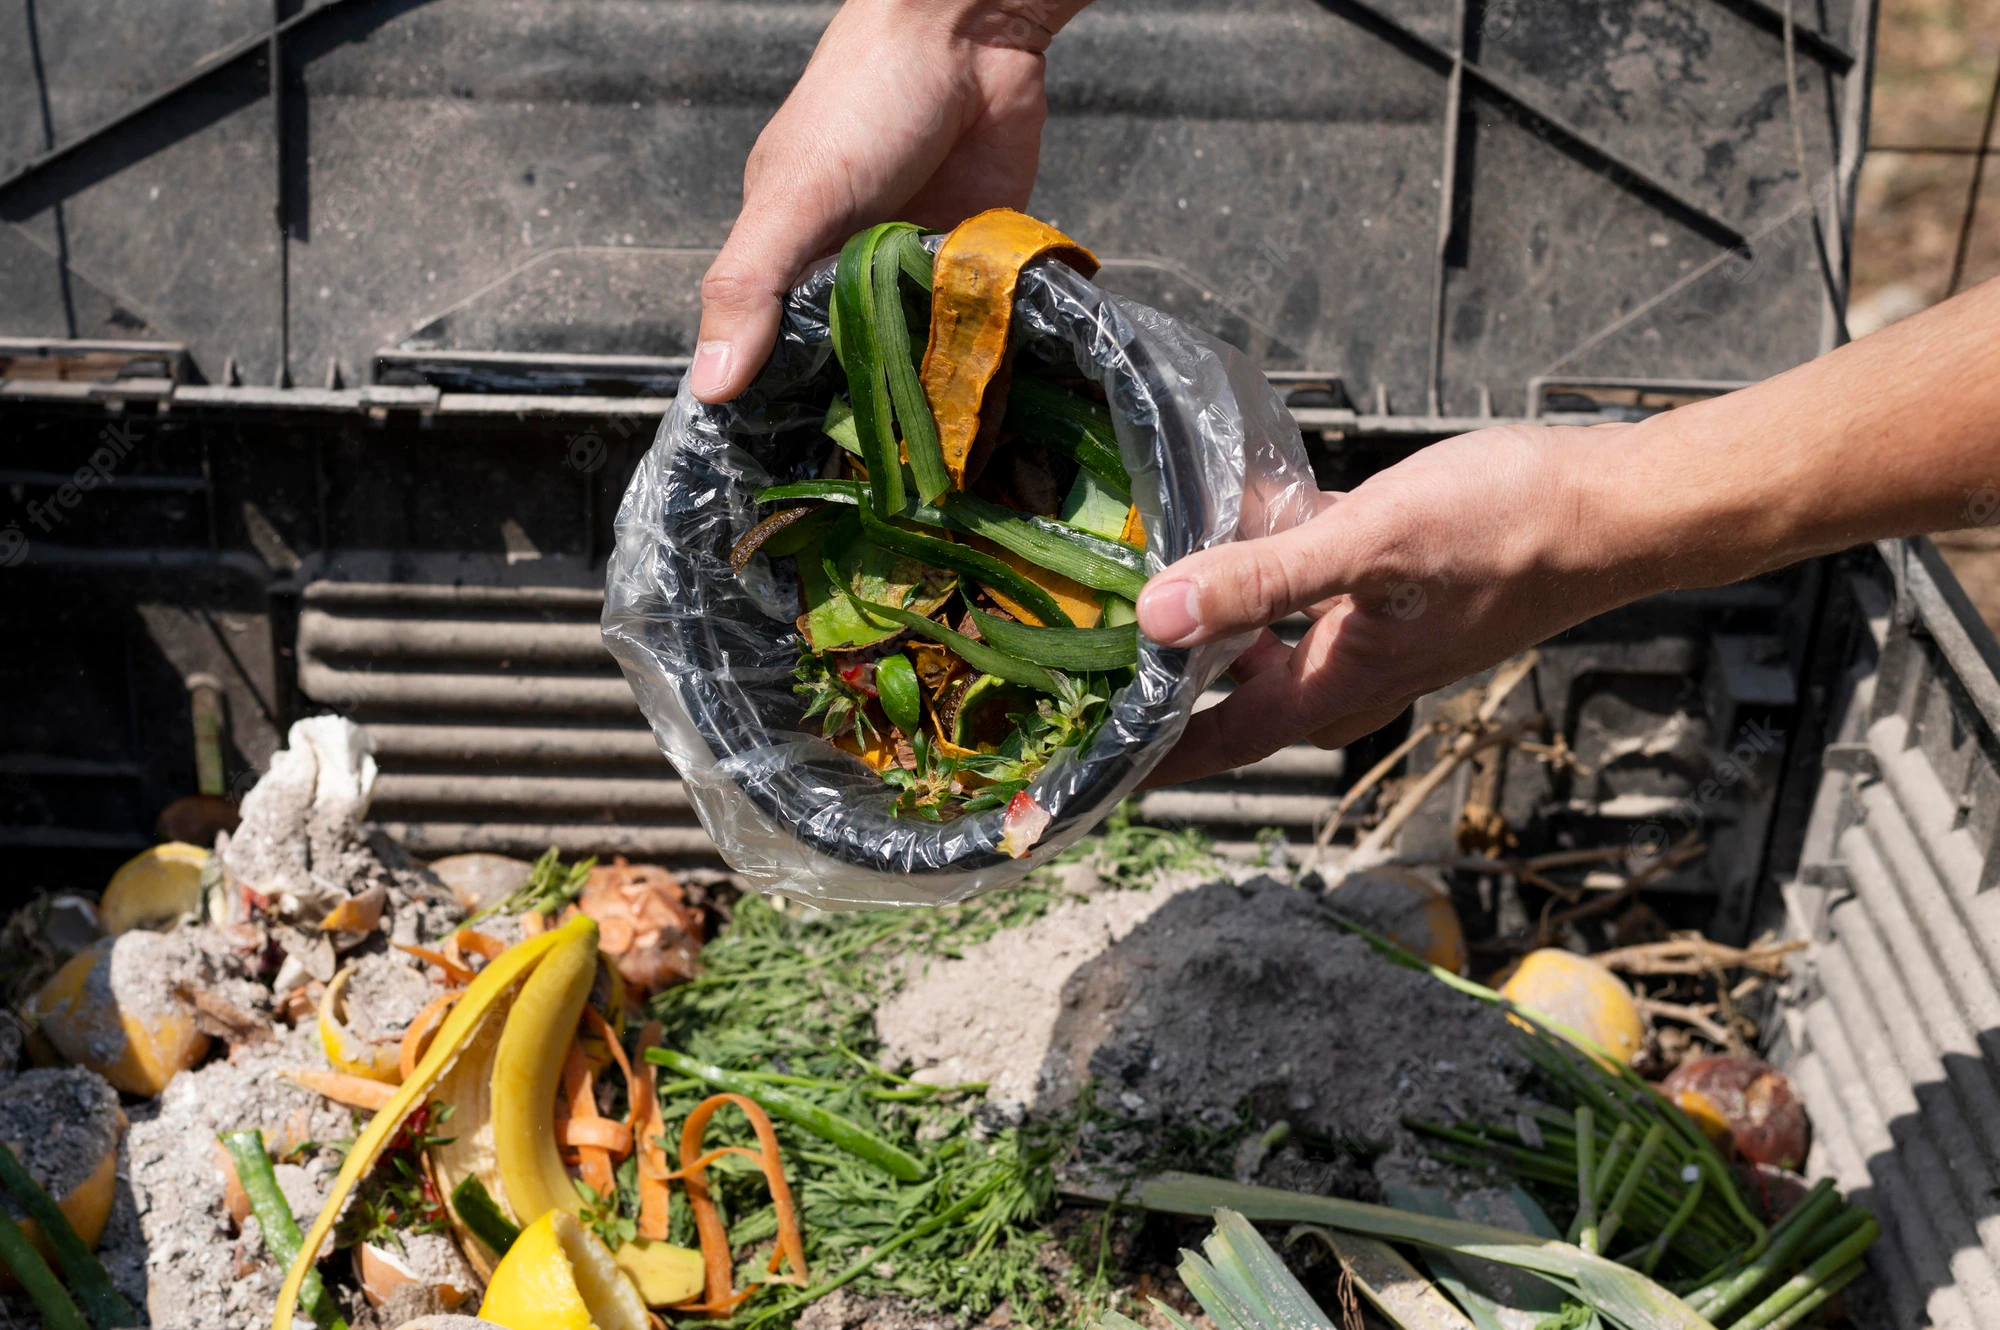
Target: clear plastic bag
x=1214, y=457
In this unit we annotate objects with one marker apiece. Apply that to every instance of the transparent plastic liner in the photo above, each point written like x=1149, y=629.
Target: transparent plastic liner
x=1214, y=457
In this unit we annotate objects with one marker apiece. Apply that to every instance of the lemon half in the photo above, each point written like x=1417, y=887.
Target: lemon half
x=154, y=889
x=558, y=1276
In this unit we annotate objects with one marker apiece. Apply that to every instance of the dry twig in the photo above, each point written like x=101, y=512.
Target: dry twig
x=1474, y=736
x=1691, y=953
x=1697, y=1017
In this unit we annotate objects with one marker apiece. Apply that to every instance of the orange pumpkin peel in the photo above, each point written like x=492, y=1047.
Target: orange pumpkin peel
x=972, y=309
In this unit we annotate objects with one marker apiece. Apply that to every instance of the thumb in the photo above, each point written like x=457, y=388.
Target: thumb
x=1250, y=584
x=743, y=292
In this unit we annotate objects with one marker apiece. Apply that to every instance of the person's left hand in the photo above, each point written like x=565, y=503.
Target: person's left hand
x=1438, y=567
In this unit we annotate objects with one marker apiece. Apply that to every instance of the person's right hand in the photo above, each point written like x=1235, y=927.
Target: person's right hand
x=911, y=110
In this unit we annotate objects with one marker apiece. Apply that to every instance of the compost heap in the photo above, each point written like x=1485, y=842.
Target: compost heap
x=1177, y=1004
x=445, y=1072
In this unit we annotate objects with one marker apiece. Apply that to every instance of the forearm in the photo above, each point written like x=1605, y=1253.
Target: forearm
x=1893, y=435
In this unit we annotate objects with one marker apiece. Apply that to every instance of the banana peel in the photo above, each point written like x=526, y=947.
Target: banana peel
x=497, y=1059
x=347, y=1051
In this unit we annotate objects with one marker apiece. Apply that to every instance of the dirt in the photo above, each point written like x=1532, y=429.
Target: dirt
x=199, y=1272
x=1190, y=1001
x=844, y=1309
x=60, y=1122
x=385, y=995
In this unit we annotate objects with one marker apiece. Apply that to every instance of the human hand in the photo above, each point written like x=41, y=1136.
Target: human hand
x=1440, y=566
x=1485, y=544
x=913, y=110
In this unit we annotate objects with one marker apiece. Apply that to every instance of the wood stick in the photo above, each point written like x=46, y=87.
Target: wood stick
x=1503, y=683
x=1698, y=955
x=1370, y=779
x=1686, y=1014
x=1414, y=798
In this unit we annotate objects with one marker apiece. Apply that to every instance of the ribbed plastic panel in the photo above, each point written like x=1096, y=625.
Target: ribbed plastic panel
x=501, y=724
x=1893, y=1027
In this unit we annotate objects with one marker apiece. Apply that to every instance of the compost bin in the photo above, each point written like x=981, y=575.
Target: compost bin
x=334, y=331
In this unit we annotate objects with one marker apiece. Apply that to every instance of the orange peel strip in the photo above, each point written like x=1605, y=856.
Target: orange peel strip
x=595, y=1020
x=1135, y=527
x=533, y=925
x=353, y=1091
x=455, y=972
x=717, y=1295
x=416, y=1036
x=717, y=1153
x=597, y=1133
x=972, y=306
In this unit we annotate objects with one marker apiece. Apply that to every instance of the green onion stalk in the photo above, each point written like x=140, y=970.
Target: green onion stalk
x=105, y=1305
x=274, y=1218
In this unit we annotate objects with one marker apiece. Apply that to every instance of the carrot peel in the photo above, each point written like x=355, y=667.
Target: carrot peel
x=353, y=1091
x=718, y=1296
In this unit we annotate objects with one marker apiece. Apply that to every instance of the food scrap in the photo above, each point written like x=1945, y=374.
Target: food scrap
x=964, y=557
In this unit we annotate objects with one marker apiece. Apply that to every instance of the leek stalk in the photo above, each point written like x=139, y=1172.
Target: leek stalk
x=1584, y=1230
x=1628, y=1188
x=861, y=358
x=1102, y=565
x=1078, y=650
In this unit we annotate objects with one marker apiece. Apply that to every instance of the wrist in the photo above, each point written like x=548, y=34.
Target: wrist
x=1023, y=25
x=1671, y=502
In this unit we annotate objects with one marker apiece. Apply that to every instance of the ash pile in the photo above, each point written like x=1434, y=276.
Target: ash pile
x=217, y=991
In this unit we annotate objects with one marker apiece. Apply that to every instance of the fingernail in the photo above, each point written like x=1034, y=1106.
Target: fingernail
x=1170, y=612
x=710, y=370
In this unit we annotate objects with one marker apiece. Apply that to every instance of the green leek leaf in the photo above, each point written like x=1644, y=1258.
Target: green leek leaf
x=861, y=357
x=1094, y=506
x=839, y=425
x=1077, y=650
x=892, y=339
x=1622, y=1296
x=1104, y=565
x=1076, y=427
x=834, y=491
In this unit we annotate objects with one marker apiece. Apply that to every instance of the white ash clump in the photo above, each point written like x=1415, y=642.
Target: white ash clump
x=304, y=846
x=199, y=1272
x=299, y=840
x=1188, y=1002
x=387, y=992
